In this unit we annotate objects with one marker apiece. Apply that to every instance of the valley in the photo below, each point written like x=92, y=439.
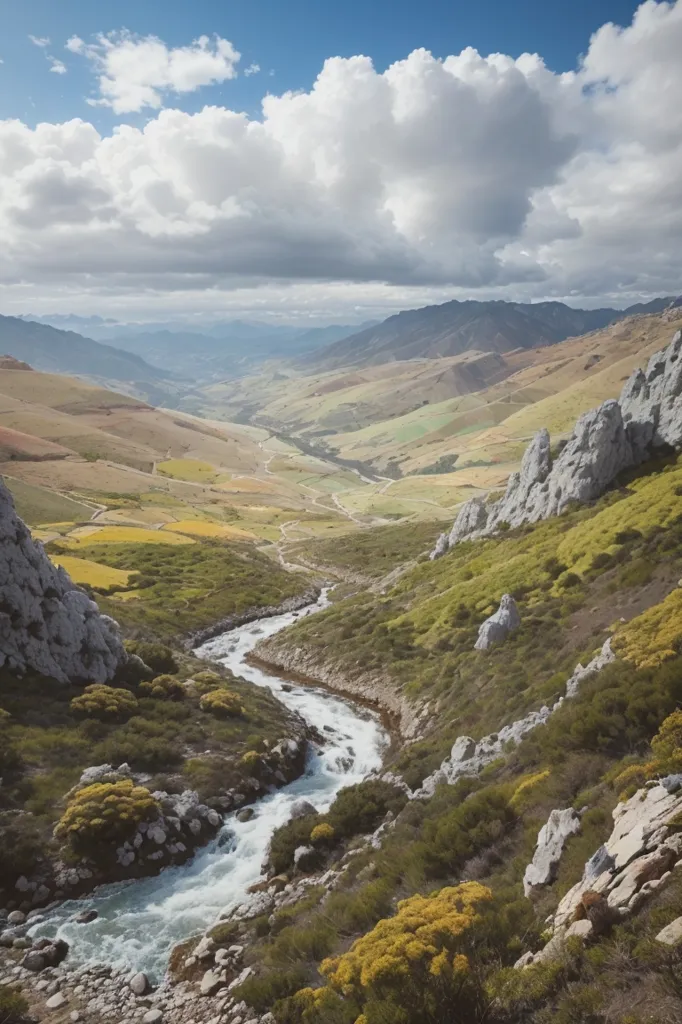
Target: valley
x=267, y=560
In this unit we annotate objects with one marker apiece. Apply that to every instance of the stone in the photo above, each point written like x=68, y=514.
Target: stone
x=301, y=808
x=598, y=863
x=240, y=979
x=210, y=983
x=441, y=548
x=672, y=783
x=47, y=624
x=671, y=935
x=463, y=749
x=86, y=916
x=139, y=984
x=16, y=917
x=551, y=841
x=246, y=814
x=205, y=948
x=580, y=930
x=152, y=1017
x=581, y=673
x=104, y=773
x=496, y=629
x=303, y=853
x=214, y=819
x=34, y=961
x=56, y=1001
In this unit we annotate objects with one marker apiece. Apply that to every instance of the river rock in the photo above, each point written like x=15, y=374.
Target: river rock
x=551, y=840
x=46, y=623
x=86, y=916
x=152, y=1017
x=56, y=1001
x=496, y=628
x=16, y=917
x=605, y=441
x=210, y=983
x=139, y=984
x=301, y=808
x=34, y=961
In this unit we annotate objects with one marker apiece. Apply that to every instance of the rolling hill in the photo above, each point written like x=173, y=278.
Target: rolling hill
x=55, y=351
x=456, y=327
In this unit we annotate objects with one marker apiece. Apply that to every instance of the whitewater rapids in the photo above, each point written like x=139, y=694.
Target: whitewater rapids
x=139, y=922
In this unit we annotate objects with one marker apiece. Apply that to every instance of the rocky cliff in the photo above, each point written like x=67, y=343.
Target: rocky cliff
x=46, y=624
x=615, y=436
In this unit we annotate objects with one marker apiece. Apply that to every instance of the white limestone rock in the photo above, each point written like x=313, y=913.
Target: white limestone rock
x=671, y=935
x=605, y=441
x=46, y=624
x=582, y=672
x=497, y=628
x=551, y=841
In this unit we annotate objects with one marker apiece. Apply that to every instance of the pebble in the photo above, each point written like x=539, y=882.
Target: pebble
x=152, y=1017
x=56, y=1001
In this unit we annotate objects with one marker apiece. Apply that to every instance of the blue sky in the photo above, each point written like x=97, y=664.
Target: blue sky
x=291, y=38
x=148, y=172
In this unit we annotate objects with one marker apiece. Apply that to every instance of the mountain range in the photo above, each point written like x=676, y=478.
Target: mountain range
x=455, y=327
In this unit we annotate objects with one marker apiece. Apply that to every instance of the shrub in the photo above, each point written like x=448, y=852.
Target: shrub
x=322, y=835
x=416, y=960
x=22, y=844
x=222, y=704
x=287, y=839
x=105, y=812
x=251, y=762
x=206, y=681
x=225, y=933
x=362, y=807
x=105, y=702
x=163, y=687
x=13, y=1006
x=263, y=991
x=157, y=656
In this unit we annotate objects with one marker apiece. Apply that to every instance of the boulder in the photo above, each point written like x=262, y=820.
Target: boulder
x=210, y=983
x=301, y=808
x=56, y=1001
x=16, y=917
x=152, y=1017
x=47, y=624
x=139, y=984
x=497, y=628
x=246, y=814
x=671, y=935
x=34, y=961
x=551, y=840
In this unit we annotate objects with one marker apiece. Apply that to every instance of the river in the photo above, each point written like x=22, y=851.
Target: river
x=139, y=922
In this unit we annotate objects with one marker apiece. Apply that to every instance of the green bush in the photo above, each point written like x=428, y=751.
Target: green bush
x=22, y=845
x=286, y=839
x=13, y=1006
x=360, y=808
x=206, y=681
x=222, y=704
x=164, y=687
x=105, y=812
x=263, y=991
x=157, y=656
x=107, y=703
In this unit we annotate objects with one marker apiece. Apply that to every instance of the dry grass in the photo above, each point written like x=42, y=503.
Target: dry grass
x=82, y=570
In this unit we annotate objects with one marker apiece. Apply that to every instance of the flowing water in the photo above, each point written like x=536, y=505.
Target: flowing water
x=139, y=922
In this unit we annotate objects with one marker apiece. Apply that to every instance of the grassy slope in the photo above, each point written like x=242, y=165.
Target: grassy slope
x=572, y=577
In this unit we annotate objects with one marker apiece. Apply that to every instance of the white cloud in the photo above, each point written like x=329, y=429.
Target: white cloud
x=135, y=72
x=41, y=41
x=252, y=69
x=57, y=66
x=435, y=179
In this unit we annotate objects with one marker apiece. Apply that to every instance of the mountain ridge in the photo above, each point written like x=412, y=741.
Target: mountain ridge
x=454, y=327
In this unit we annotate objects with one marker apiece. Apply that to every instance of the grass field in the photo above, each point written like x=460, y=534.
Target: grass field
x=38, y=505
x=201, y=528
x=190, y=469
x=94, y=574
x=124, y=535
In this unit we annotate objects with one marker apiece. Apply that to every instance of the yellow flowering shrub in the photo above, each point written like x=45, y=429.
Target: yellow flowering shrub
x=415, y=958
x=222, y=704
x=654, y=636
x=105, y=812
x=163, y=687
x=525, y=788
x=667, y=748
x=206, y=681
x=322, y=833
x=105, y=702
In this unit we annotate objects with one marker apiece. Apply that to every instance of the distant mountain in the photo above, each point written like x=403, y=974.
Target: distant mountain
x=54, y=351
x=456, y=327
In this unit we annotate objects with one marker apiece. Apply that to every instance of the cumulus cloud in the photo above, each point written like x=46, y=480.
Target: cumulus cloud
x=135, y=72
x=57, y=67
x=436, y=178
x=41, y=41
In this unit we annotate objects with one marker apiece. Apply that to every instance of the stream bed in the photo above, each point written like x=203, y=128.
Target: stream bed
x=139, y=922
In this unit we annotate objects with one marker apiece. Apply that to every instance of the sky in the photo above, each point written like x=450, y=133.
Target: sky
x=302, y=161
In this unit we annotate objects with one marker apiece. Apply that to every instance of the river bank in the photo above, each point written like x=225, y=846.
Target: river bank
x=139, y=923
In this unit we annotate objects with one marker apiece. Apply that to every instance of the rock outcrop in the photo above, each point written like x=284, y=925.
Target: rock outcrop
x=497, y=628
x=636, y=860
x=605, y=441
x=551, y=841
x=46, y=624
x=469, y=757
